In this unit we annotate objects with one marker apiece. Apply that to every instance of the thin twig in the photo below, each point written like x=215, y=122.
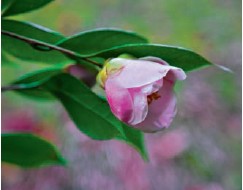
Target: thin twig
x=38, y=44
x=12, y=87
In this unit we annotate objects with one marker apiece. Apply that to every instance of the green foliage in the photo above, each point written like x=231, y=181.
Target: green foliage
x=91, y=114
x=28, y=150
x=32, y=53
x=13, y=7
x=94, y=41
x=5, y=58
x=31, y=30
x=29, y=81
x=175, y=56
x=32, y=34
x=86, y=45
x=38, y=76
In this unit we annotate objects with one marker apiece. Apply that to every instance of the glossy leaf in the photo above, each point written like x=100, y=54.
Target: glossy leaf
x=5, y=5
x=5, y=58
x=90, y=114
x=175, y=56
x=25, y=50
x=28, y=150
x=97, y=40
x=31, y=30
x=30, y=81
x=38, y=76
x=13, y=41
x=13, y=7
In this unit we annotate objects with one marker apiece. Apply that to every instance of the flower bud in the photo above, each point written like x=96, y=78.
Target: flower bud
x=140, y=91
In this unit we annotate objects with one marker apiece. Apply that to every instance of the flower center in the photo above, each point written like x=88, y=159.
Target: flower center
x=153, y=96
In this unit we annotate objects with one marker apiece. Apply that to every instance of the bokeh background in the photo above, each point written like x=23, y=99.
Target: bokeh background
x=202, y=148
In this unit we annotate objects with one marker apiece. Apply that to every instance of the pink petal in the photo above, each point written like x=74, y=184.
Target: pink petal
x=140, y=106
x=162, y=111
x=139, y=98
x=137, y=73
x=128, y=89
x=175, y=73
x=129, y=105
x=155, y=59
x=119, y=100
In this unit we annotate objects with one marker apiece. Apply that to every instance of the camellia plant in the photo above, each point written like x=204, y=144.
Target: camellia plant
x=113, y=83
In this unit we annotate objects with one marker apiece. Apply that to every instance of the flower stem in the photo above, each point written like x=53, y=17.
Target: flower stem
x=42, y=46
x=11, y=87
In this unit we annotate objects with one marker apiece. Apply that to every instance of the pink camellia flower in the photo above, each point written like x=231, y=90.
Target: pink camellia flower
x=140, y=91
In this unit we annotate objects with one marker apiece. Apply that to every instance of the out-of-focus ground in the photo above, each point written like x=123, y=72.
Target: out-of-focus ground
x=202, y=148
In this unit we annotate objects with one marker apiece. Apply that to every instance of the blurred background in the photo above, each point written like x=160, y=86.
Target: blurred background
x=202, y=148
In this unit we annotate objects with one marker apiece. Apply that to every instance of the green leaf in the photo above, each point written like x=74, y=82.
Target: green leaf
x=5, y=5
x=135, y=138
x=13, y=7
x=26, y=52
x=175, y=56
x=38, y=76
x=30, y=81
x=31, y=30
x=90, y=114
x=37, y=46
x=6, y=58
x=28, y=150
x=94, y=41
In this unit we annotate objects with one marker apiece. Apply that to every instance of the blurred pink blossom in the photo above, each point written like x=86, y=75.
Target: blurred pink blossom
x=210, y=186
x=19, y=121
x=128, y=166
x=95, y=180
x=168, y=146
x=24, y=121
